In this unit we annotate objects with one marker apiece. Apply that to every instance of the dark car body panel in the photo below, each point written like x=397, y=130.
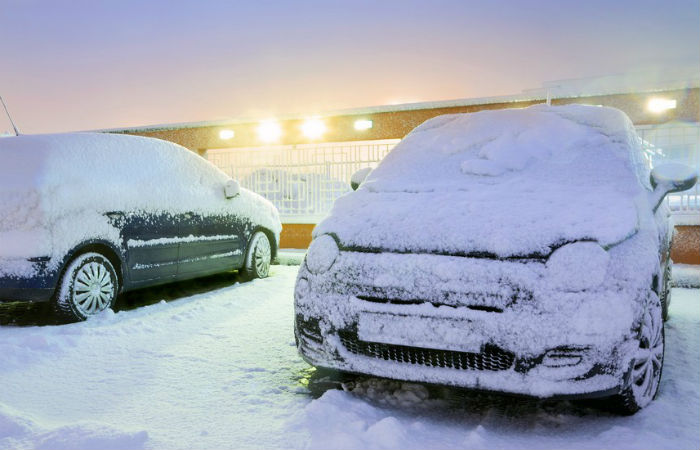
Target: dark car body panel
x=156, y=210
x=156, y=249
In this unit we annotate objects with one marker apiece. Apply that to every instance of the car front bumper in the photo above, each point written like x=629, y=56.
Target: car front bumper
x=525, y=340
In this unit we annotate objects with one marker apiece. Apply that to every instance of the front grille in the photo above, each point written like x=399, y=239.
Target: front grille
x=491, y=358
x=309, y=328
x=393, y=301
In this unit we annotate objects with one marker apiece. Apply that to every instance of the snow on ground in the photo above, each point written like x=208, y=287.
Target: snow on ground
x=214, y=370
x=686, y=275
x=219, y=369
x=388, y=414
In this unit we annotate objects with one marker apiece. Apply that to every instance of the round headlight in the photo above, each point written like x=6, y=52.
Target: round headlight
x=577, y=267
x=322, y=254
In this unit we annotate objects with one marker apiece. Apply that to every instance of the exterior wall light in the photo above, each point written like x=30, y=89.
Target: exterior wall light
x=313, y=128
x=269, y=131
x=226, y=134
x=659, y=105
x=363, y=124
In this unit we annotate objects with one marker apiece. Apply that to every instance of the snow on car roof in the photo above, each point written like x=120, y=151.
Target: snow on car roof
x=101, y=172
x=29, y=159
x=46, y=179
x=491, y=147
x=504, y=182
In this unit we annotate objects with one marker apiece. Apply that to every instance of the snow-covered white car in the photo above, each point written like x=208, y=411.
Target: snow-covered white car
x=84, y=216
x=521, y=250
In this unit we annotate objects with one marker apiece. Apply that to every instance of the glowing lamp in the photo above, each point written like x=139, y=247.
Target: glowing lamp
x=269, y=131
x=361, y=125
x=313, y=128
x=659, y=105
x=226, y=134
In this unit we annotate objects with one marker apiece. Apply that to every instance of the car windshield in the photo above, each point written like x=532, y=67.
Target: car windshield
x=536, y=148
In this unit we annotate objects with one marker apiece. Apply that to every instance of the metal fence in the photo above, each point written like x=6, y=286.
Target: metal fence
x=676, y=142
x=303, y=181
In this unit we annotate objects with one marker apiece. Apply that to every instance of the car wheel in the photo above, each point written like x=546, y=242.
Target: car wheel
x=258, y=257
x=666, y=291
x=645, y=372
x=89, y=285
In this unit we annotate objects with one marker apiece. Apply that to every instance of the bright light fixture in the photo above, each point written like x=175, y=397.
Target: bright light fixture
x=226, y=134
x=313, y=128
x=658, y=105
x=363, y=124
x=269, y=131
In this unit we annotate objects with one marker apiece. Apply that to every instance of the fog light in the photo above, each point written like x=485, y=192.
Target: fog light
x=302, y=288
x=559, y=358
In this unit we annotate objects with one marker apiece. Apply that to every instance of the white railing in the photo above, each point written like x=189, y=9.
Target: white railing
x=678, y=142
x=303, y=181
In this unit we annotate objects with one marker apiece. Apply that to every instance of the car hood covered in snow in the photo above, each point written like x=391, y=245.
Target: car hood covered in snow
x=514, y=182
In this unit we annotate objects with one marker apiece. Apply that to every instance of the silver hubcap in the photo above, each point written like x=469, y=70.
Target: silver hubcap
x=93, y=289
x=647, y=362
x=261, y=256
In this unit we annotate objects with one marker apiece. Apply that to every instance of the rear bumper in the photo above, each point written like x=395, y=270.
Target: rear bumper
x=36, y=284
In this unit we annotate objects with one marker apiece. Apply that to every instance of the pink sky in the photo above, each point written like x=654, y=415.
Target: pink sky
x=77, y=65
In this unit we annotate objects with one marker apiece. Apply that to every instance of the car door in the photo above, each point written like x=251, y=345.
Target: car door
x=210, y=243
x=151, y=241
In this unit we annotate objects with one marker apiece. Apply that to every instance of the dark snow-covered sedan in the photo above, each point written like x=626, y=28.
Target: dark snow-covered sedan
x=521, y=251
x=85, y=216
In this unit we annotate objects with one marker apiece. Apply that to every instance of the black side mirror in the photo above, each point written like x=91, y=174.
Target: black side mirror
x=358, y=177
x=231, y=189
x=670, y=177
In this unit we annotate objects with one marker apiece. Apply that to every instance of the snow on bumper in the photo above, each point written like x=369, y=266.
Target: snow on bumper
x=478, y=323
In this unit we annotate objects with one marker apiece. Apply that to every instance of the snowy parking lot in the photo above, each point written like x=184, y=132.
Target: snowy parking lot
x=214, y=365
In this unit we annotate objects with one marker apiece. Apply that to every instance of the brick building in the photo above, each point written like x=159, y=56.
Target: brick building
x=302, y=163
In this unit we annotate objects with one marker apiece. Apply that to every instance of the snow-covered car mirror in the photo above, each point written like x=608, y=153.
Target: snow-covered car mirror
x=671, y=177
x=358, y=177
x=232, y=188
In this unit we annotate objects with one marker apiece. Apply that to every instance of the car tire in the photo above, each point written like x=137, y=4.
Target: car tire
x=258, y=257
x=666, y=291
x=644, y=375
x=88, y=286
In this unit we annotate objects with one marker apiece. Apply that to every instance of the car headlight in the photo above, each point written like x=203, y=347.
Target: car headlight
x=577, y=267
x=322, y=254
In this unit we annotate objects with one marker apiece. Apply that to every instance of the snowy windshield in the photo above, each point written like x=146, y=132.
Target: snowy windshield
x=515, y=149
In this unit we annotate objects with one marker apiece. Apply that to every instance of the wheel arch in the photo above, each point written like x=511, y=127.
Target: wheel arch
x=106, y=248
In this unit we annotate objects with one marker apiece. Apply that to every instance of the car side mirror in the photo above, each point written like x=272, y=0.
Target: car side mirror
x=670, y=177
x=231, y=189
x=358, y=177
